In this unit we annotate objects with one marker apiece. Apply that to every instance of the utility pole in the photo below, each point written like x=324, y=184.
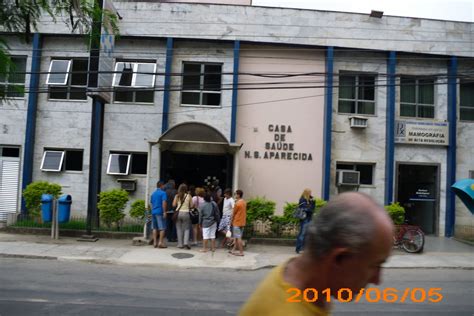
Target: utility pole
x=97, y=128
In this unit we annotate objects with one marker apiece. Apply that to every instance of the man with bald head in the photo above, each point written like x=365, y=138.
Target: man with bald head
x=345, y=246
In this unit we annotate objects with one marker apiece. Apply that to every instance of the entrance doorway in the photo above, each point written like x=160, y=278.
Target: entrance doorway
x=418, y=186
x=194, y=168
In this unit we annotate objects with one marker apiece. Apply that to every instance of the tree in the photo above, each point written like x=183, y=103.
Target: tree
x=33, y=192
x=22, y=17
x=111, y=205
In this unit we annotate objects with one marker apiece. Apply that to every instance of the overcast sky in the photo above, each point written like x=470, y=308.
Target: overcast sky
x=456, y=10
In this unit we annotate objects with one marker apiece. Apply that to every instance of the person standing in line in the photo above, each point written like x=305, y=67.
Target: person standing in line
x=158, y=213
x=238, y=223
x=182, y=204
x=346, y=246
x=307, y=203
x=198, y=201
x=208, y=219
x=170, y=190
x=226, y=220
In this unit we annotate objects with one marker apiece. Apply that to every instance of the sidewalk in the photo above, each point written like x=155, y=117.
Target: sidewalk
x=439, y=252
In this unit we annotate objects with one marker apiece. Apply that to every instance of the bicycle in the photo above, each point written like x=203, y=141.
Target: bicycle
x=409, y=238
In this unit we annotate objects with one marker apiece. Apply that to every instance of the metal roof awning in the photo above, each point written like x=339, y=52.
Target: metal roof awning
x=196, y=133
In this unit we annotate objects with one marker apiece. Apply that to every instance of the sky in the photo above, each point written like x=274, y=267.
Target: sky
x=455, y=10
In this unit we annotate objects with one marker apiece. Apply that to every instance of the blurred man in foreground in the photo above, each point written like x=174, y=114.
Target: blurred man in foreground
x=346, y=245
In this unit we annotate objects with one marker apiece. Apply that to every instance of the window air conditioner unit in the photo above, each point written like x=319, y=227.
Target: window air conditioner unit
x=358, y=122
x=347, y=177
x=129, y=185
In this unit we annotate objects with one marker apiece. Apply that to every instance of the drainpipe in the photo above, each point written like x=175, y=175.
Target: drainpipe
x=328, y=122
x=97, y=133
x=390, y=128
x=235, y=91
x=451, y=153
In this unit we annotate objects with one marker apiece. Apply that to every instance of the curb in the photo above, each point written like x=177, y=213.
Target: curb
x=9, y=255
x=464, y=241
x=68, y=232
x=250, y=268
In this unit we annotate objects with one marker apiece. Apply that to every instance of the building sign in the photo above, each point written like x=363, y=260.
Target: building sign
x=423, y=194
x=279, y=147
x=421, y=132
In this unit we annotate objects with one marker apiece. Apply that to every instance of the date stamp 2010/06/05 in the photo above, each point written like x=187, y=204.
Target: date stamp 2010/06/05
x=371, y=295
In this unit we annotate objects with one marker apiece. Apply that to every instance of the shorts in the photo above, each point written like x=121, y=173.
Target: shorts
x=158, y=222
x=209, y=232
x=237, y=231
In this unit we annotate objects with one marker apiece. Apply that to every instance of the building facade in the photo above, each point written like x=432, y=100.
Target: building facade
x=269, y=100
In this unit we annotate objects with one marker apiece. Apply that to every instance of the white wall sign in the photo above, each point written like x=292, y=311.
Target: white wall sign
x=422, y=133
x=279, y=148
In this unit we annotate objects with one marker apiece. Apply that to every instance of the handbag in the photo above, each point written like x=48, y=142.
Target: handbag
x=194, y=213
x=176, y=213
x=300, y=212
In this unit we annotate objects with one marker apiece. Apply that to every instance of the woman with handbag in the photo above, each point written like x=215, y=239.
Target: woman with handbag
x=226, y=220
x=198, y=201
x=183, y=204
x=307, y=204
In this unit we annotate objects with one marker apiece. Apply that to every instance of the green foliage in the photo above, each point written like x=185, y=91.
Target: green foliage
x=79, y=15
x=32, y=195
x=137, y=210
x=23, y=16
x=290, y=208
x=259, y=208
x=111, y=206
x=396, y=212
x=319, y=204
x=287, y=217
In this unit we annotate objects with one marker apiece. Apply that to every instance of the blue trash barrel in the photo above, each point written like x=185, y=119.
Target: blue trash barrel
x=47, y=207
x=64, y=208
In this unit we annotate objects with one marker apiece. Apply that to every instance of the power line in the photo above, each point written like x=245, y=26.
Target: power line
x=178, y=88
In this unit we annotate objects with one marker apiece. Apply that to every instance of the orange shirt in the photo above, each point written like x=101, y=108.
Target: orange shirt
x=240, y=213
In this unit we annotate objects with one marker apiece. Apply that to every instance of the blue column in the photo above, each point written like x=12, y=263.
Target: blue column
x=328, y=121
x=235, y=91
x=451, y=158
x=95, y=160
x=390, y=128
x=31, y=116
x=167, y=84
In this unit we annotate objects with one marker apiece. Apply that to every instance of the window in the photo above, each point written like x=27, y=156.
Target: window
x=417, y=97
x=57, y=160
x=12, y=83
x=356, y=94
x=471, y=174
x=7, y=151
x=366, y=171
x=67, y=79
x=201, y=84
x=466, y=101
x=125, y=163
x=134, y=82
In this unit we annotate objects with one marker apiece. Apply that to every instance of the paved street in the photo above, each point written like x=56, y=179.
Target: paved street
x=50, y=287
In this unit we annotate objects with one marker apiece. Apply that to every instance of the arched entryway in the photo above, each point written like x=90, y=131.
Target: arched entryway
x=192, y=151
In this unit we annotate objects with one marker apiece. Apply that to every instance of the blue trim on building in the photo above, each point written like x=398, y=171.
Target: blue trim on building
x=235, y=91
x=95, y=161
x=167, y=84
x=451, y=158
x=390, y=127
x=328, y=121
x=30, y=133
